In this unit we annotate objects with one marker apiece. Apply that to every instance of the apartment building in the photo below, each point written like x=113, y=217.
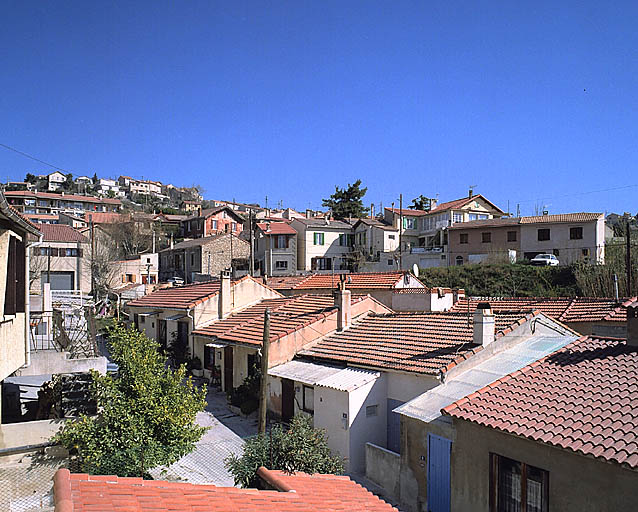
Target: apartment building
x=29, y=202
x=323, y=244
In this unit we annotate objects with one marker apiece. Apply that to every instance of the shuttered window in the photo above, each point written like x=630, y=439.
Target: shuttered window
x=10, y=291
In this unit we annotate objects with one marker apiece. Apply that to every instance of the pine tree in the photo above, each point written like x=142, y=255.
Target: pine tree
x=347, y=202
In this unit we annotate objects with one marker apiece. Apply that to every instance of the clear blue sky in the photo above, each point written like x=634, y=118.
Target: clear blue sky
x=525, y=100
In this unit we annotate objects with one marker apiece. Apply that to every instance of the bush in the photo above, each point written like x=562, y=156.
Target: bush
x=146, y=416
x=300, y=448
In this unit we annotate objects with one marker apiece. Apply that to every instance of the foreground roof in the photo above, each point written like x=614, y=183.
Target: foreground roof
x=413, y=342
x=563, y=309
x=294, y=492
x=288, y=314
x=355, y=280
x=61, y=233
x=582, y=398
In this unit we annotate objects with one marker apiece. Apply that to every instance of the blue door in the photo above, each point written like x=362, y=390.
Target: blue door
x=439, y=450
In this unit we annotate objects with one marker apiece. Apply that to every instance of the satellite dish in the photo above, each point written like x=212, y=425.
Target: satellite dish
x=415, y=269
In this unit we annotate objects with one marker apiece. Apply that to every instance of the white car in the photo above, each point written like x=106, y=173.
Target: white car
x=545, y=260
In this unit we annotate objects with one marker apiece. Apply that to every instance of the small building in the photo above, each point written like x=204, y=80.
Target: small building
x=196, y=259
x=178, y=311
x=558, y=434
x=74, y=221
x=275, y=248
x=140, y=269
x=62, y=259
x=56, y=181
x=380, y=285
x=189, y=206
x=212, y=221
x=375, y=245
x=323, y=244
x=485, y=241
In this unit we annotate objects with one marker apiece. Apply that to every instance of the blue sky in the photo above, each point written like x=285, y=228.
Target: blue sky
x=532, y=102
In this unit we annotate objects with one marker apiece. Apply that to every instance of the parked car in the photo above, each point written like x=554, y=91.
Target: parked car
x=545, y=260
x=175, y=281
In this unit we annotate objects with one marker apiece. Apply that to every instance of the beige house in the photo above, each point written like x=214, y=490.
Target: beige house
x=323, y=244
x=14, y=328
x=140, y=269
x=375, y=244
x=489, y=241
x=63, y=260
x=178, y=311
x=275, y=248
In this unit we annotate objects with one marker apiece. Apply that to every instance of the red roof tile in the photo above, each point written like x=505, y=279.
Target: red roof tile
x=406, y=212
x=562, y=217
x=284, y=282
x=412, y=342
x=60, y=233
x=563, y=309
x=583, y=397
x=181, y=297
x=276, y=228
x=294, y=492
x=288, y=314
x=355, y=280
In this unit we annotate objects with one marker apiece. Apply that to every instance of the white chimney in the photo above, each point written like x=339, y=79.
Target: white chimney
x=224, y=299
x=343, y=302
x=632, y=324
x=484, y=325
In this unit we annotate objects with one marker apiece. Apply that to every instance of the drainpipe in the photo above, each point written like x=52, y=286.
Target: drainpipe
x=188, y=314
x=27, y=305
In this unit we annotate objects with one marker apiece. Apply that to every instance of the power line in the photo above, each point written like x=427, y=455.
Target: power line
x=577, y=194
x=33, y=158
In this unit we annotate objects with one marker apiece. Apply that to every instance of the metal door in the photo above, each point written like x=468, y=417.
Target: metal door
x=287, y=400
x=439, y=450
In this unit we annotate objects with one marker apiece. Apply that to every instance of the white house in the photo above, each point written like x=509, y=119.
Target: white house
x=56, y=181
x=323, y=244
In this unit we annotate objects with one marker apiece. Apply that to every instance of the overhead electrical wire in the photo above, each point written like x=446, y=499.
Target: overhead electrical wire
x=33, y=158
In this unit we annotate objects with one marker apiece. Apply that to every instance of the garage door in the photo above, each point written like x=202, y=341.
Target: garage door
x=59, y=280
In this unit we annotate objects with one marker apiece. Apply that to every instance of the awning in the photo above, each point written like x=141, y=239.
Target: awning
x=174, y=318
x=216, y=345
x=153, y=313
x=302, y=371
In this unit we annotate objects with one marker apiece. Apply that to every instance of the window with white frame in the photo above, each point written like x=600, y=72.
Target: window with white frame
x=308, y=399
x=457, y=217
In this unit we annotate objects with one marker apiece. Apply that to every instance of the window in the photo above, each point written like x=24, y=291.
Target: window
x=516, y=486
x=14, y=296
x=234, y=228
x=214, y=224
x=390, y=262
x=543, y=234
x=363, y=238
x=343, y=239
x=459, y=260
x=556, y=252
x=409, y=223
x=192, y=259
x=390, y=237
x=486, y=238
x=576, y=233
x=511, y=236
x=482, y=217
x=318, y=239
x=586, y=253
x=372, y=410
x=281, y=265
x=308, y=399
x=280, y=242
x=142, y=319
x=457, y=217
x=463, y=238
x=321, y=263
x=473, y=216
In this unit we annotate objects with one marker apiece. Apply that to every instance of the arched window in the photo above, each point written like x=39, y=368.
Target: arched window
x=459, y=260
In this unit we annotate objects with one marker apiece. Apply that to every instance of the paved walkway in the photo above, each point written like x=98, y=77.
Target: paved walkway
x=205, y=464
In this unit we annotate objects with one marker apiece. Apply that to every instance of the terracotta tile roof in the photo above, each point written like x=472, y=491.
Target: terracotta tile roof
x=105, y=217
x=60, y=233
x=181, y=297
x=408, y=212
x=562, y=217
x=356, y=280
x=583, y=397
x=375, y=223
x=412, y=342
x=563, y=309
x=276, y=228
x=288, y=314
x=284, y=282
x=294, y=492
x=65, y=197
x=460, y=203
x=323, y=223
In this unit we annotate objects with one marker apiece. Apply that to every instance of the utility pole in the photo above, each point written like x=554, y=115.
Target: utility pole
x=400, y=231
x=263, y=399
x=628, y=262
x=252, y=243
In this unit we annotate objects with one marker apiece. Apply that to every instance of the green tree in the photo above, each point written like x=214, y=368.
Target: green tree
x=421, y=203
x=347, y=202
x=69, y=184
x=95, y=179
x=300, y=448
x=31, y=178
x=146, y=415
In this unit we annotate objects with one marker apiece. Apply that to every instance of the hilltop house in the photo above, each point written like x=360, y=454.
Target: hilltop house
x=46, y=203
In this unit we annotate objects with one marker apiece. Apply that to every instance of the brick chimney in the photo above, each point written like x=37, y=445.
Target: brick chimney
x=632, y=324
x=344, y=314
x=224, y=300
x=484, y=325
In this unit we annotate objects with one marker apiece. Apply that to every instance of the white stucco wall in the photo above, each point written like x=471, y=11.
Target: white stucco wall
x=405, y=386
x=330, y=407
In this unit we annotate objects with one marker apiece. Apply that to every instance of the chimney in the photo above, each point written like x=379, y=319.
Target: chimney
x=307, y=213
x=470, y=193
x=344, y=314
x=224, y=300
x=484, y=325
x=632, y=324
x=372, y=210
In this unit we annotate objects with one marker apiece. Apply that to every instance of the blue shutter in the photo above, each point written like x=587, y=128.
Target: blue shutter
x=439, y=450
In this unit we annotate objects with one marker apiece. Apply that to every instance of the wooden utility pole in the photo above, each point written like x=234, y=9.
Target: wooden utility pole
x=263, y=390
x=400, y=231
x=252, y=243
x=628, y=261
